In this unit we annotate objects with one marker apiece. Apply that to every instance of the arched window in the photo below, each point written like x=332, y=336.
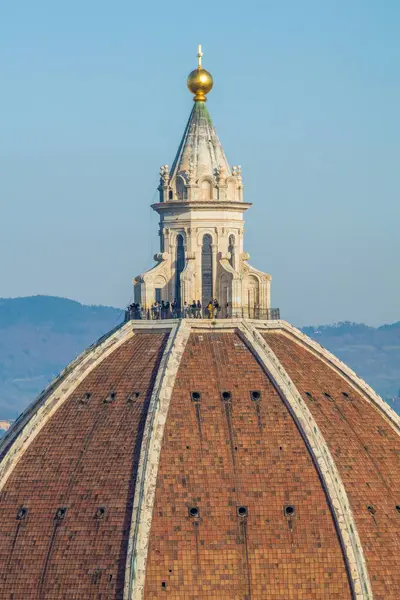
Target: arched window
x=180, y=265
x=231, y=249
x=206, y=271
x=180, y=188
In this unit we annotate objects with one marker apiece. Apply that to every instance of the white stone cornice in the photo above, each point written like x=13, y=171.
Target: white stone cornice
x=146, y=478
x=322, y=458
x=174, y=205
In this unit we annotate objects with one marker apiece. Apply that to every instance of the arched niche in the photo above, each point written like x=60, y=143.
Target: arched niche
x=251, y=296
x=206, y=231
x=180, y=188
x=206, y=188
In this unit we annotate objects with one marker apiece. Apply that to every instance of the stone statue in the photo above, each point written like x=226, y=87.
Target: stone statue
x=164, y=175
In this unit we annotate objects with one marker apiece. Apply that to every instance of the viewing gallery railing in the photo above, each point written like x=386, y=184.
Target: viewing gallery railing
x=136, y=312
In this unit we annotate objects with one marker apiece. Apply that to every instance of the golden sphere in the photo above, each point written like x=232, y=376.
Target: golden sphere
x=200, y=83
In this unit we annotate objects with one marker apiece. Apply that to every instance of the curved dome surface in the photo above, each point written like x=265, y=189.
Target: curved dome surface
x=189, y=459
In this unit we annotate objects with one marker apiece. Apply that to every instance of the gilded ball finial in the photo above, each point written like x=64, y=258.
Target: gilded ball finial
x=200, y=81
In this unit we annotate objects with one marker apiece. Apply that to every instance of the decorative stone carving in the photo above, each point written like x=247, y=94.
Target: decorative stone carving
x=237, y=171
x=164, y=175
x=161, y=256
x=220, y=175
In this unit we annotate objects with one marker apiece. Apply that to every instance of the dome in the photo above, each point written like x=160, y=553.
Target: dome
x=193, y=459
x=190, y=457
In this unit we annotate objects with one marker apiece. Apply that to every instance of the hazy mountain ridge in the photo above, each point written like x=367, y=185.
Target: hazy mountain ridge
x=40, y=335
x=372, y=352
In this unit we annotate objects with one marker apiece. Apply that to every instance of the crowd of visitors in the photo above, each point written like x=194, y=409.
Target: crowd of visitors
x=172, y=310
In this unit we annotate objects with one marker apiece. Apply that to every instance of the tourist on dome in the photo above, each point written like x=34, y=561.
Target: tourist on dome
x=198, y=310
x=216, y=308
x=186, y=310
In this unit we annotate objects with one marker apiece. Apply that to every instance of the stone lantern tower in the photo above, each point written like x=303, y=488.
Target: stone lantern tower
x=201, y=208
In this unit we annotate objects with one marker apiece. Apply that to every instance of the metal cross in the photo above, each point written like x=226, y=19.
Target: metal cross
x=200, y=56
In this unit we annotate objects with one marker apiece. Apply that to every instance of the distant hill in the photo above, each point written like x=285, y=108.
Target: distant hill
x=40, y=335
x=372, y=352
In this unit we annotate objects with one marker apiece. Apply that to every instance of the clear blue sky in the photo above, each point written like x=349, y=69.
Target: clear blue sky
x=306, y=99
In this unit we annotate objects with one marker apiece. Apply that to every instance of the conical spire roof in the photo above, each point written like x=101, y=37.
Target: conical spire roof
x=200, y=151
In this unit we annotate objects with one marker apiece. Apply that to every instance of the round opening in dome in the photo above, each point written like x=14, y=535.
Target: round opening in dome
x=194, y=511
x=110, y=398
x=60, y=513
x=255, y=395
x=21, y=514
x=196, y=396
x=289, y=510
x=242, y=511
x=86, y=397
x=226, y=396
x=100, y=512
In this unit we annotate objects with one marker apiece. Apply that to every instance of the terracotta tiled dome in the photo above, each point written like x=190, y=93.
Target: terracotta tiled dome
x=191, y=459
